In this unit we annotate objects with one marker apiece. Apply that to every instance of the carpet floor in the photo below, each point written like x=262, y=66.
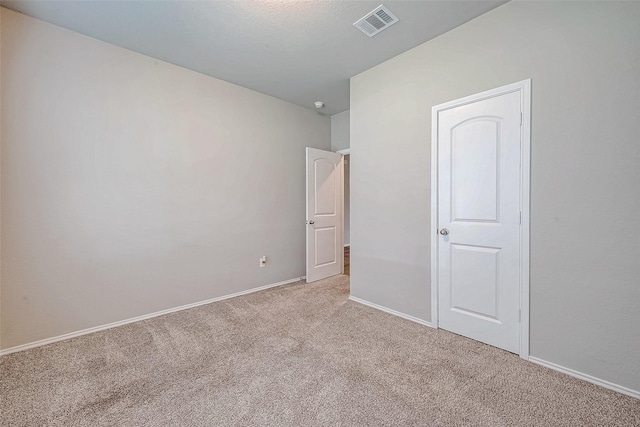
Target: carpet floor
x=295, y=355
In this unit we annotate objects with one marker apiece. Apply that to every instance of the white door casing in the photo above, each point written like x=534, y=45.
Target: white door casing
x=480, y=217
x=324, y=214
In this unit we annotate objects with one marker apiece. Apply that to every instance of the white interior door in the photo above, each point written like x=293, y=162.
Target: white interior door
x=479, y=219
x=324, y=214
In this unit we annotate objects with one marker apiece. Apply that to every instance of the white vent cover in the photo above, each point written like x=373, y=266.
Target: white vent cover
x=375, y=21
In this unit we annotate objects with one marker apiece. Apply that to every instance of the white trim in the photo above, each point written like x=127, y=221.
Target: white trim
x=347, y=245
x=341, y=244
x=524, y=87
x=434, y=217
x=586, y=377
x=344, y=152
x=70, y=335
x=525, y=198
x=388, y=310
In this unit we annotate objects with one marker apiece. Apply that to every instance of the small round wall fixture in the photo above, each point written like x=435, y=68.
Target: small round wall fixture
x=319, y=104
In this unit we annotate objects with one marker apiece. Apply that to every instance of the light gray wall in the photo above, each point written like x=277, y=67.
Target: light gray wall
x=130, y=185
x=340, y=131
x=584, y=62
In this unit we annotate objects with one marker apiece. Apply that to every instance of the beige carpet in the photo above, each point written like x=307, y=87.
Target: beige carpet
x=296, y=355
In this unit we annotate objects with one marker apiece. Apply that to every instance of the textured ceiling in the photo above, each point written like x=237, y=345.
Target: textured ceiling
x=299, y=51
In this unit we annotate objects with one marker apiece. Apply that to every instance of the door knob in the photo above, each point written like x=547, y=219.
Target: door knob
x=444, y=231
x=312, y=222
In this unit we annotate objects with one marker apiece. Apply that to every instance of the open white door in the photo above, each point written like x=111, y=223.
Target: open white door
x=479, y=217
x=324, y=214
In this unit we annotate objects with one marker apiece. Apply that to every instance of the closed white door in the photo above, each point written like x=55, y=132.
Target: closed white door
x=479, y=156
x=324, y=214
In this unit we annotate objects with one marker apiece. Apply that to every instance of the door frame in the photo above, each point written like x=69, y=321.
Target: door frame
x=524, y=87
x=344, y=152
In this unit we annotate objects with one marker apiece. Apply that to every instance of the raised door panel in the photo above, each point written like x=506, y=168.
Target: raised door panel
x=325, y=187
x=326, y=241
x=475, y=285
x=475, y=170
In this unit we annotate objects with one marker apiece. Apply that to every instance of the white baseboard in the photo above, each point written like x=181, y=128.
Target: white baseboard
x=586, y=377
x=388, y=310
x=70, y=335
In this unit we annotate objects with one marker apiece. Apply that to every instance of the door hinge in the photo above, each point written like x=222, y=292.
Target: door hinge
x=521, y=118
x=520, y=217
x=519, y=315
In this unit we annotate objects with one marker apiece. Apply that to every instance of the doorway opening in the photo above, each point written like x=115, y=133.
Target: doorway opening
x=347, y=215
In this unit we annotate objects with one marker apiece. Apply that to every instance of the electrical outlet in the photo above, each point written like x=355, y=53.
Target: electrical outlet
x=263, y=261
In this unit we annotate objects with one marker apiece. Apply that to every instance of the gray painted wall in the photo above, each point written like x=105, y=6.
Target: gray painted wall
x=584, y=62
x=130, y=185
x=340, y=131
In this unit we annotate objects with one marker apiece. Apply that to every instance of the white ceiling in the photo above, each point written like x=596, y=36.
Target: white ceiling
x=299, y=51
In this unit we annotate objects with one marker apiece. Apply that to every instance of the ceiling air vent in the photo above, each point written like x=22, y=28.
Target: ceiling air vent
x=375, y=21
